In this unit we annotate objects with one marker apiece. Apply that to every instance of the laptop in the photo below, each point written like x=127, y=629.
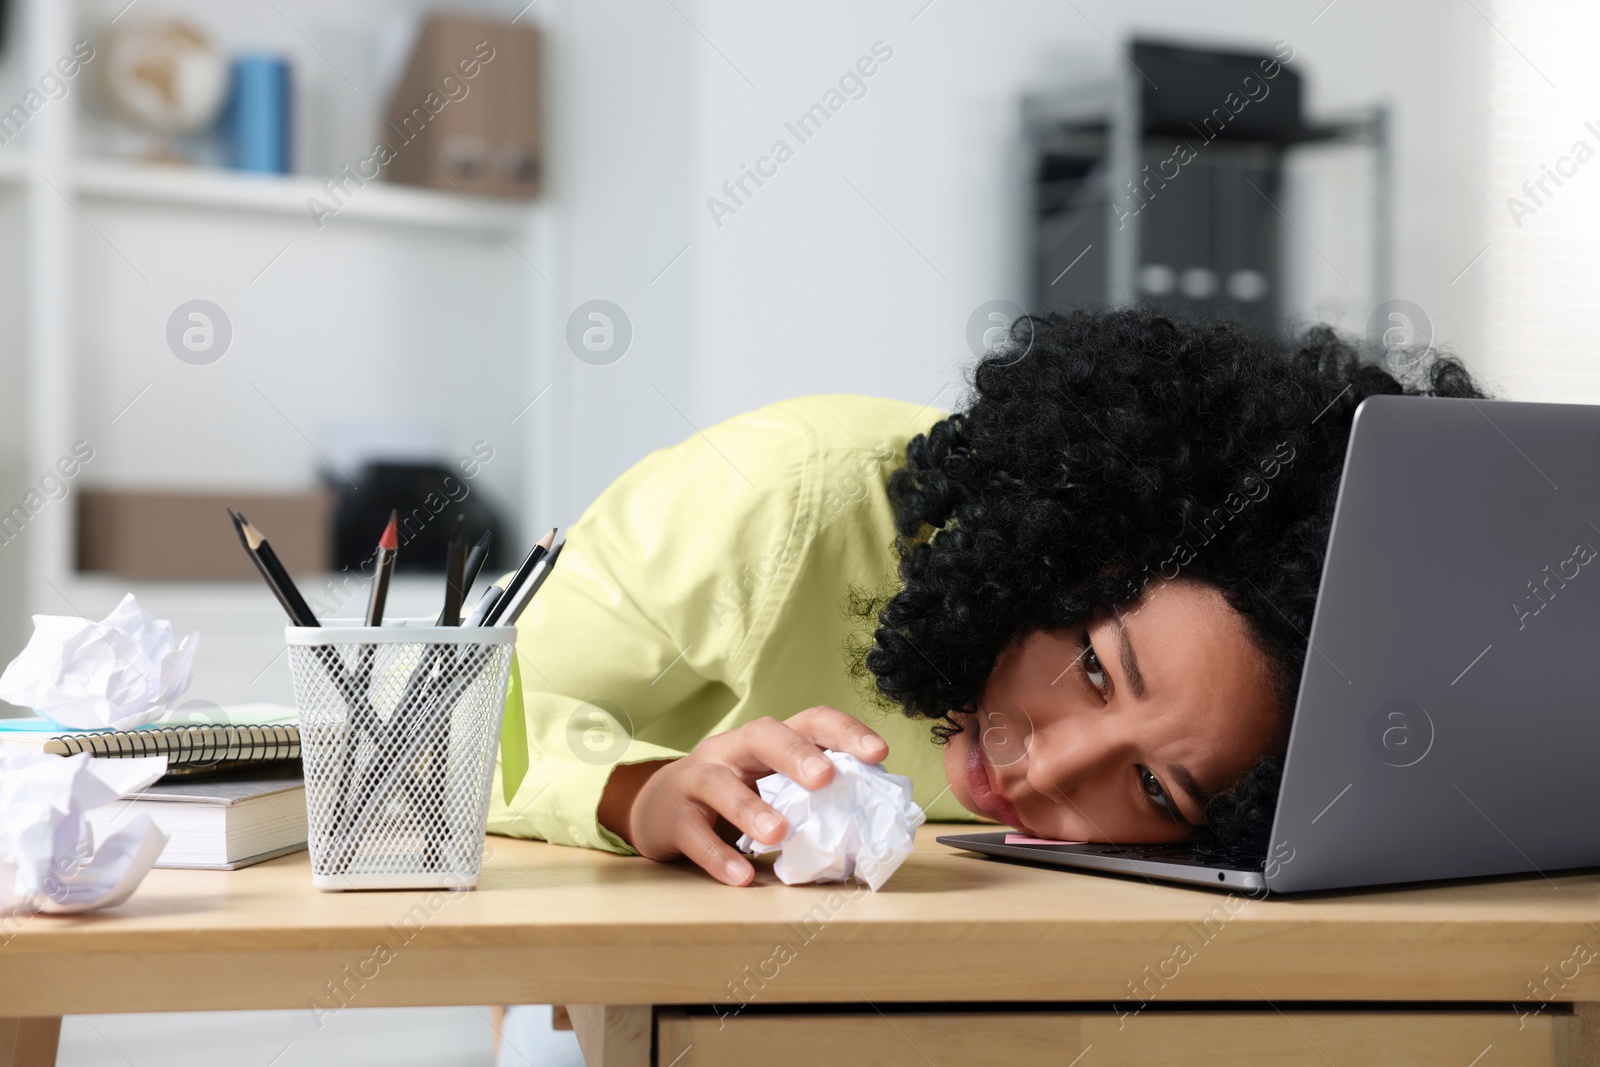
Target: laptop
x=1448, y=719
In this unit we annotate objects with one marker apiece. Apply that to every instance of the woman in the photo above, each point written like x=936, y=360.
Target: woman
x=1077, y=607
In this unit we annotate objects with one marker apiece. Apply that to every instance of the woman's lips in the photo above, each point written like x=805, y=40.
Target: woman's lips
x=981, y=784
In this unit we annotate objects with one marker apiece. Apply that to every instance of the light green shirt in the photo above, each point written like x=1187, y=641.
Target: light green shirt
x=703, y=589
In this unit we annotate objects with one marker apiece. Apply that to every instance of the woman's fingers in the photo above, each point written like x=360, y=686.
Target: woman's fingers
x=832, y=728
x=767, y=745
x=721, y=789
x=670, y=820
x=698, y=841
x=794, y=747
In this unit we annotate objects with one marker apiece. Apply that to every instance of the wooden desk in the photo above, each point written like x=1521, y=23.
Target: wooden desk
x=959, y=960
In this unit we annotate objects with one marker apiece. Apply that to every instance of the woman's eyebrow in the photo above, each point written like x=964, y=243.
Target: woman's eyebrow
x=1187, y=783
x=1130, y=662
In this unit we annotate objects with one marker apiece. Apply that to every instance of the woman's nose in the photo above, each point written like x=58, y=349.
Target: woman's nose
x=1066, y=755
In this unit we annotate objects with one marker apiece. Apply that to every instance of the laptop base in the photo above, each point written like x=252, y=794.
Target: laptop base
x=1172, y=863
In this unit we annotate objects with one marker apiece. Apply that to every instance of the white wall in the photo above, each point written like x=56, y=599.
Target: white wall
x=808, y=289
x=623, y=120
x=14, y=474
x=1544, y=263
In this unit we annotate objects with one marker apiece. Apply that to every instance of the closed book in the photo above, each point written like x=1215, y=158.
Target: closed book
x=219, y=823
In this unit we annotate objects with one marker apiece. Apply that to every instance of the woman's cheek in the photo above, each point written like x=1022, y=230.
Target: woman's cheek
x=1003, y=730
x=955, y=769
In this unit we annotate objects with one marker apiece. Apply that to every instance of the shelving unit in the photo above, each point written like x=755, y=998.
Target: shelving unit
x=409, y=303
x=290, y=195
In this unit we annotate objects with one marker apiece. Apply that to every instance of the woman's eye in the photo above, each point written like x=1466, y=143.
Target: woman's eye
x=1092, y=668
x=1158, y=795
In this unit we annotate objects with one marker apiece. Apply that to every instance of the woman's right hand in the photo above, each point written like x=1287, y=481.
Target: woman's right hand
x=686, y=807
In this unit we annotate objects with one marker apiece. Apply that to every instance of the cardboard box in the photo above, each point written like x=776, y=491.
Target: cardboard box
x=467, y=114
x=147, y=534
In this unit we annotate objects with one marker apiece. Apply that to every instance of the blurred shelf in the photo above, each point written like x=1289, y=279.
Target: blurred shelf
x=289, y=195
x=409, y=595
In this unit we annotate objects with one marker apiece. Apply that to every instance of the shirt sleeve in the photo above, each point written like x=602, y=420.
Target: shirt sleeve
x=633, y=649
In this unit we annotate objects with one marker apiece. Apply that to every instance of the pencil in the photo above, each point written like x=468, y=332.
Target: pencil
x=535, y=554
x=272, y=570
x=509, y=616
x=455, y=572
x=382, y=568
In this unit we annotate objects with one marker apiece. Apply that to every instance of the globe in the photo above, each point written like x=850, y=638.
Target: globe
x=164, y=75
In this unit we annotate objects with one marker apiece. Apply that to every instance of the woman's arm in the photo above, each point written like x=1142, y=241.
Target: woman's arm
x=640, y=646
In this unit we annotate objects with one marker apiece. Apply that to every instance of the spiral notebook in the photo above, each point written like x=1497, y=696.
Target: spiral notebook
x=248, y=736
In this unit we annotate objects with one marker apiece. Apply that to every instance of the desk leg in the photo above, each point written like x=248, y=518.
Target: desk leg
x=29, y=1042
x=611, y=1035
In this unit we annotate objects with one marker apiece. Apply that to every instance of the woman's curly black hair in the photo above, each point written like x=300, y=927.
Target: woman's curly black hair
x=1103, y=450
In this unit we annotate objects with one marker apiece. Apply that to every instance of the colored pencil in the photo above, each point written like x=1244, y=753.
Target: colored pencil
x=382, y=569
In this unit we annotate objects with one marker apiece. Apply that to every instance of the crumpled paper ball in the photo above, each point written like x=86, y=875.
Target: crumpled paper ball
x=862, y=824
x=49, y=861
x=120, y=672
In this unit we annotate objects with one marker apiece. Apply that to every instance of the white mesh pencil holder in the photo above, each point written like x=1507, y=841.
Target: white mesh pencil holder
x=398, y=728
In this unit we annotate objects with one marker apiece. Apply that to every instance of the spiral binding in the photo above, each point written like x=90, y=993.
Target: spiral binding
x=186, y=744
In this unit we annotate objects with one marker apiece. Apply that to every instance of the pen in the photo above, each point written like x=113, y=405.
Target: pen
x=475, y=561
x=486, y=604
x=455, y=572
x=383, y=567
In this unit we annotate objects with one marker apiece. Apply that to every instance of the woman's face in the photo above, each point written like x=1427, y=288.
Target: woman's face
x=1121, y=729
